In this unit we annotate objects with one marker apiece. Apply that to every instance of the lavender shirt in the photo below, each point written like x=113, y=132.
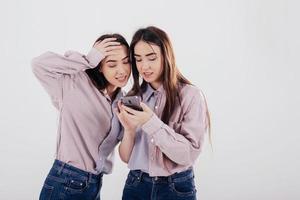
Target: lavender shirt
x=88, y=131
x=163, y=149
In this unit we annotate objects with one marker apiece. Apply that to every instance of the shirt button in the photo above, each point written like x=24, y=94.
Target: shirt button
x=156, y=107
x=152, y=140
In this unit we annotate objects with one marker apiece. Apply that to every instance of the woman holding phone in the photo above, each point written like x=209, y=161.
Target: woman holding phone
x=162, y=142
x=84, y=89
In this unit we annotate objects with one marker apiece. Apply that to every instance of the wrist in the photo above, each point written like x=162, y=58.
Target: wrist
x=129, y=134
x=94, y=57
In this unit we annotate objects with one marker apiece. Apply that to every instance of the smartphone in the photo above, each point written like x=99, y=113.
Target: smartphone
x=132, y=102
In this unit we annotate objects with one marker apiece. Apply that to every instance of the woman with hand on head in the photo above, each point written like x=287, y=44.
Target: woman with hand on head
x=85, y=90
x=162, y=142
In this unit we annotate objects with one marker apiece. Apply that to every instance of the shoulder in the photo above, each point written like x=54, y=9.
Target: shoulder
x=189, y=91
x=190, y=94
x=77, y=80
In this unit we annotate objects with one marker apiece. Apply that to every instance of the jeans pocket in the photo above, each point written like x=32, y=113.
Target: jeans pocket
x=184, y=188
x=75, y=185
x=46, y=192
x=131, y=181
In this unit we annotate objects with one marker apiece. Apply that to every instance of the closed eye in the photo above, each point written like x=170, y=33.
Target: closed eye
x=112, y=66
x=152, y=56
x=138, y=60
x=152, y=59
x=126, y=61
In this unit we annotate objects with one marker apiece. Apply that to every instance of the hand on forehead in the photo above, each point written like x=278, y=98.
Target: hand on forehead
x=118, y=54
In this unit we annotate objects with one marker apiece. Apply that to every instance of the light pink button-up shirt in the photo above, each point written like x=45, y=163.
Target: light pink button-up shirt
x=88, y=130
x=163, y=149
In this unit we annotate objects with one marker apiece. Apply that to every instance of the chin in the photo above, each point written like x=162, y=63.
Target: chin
x=149, y=80
x=120, y=85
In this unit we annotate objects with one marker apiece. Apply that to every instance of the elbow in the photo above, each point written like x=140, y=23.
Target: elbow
x=186, y=161
x=186, y=156
x=190, y=157
x=35, y=65
x=123, y=156
x=125, y=160
x=38, y=62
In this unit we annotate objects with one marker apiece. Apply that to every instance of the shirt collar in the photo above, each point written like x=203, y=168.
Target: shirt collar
x=150, y=91
x=119, y=94
x=105, y=94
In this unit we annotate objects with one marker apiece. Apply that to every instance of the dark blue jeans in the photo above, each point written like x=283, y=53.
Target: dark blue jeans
x=67, y=182
x=140, y=186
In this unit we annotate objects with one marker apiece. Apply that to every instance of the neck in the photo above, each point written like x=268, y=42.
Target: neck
x=111, y=89
x=155, y=85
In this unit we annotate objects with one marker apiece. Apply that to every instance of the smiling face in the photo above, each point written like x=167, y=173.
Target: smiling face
x=116, y=68
x=148, y=59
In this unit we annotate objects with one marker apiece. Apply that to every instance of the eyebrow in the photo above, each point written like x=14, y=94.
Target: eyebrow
x=110, y=61
x=125, y=57
x=149, y=54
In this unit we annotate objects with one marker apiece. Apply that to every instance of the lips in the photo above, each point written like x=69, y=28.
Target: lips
x=147, y=74
x=121, y=78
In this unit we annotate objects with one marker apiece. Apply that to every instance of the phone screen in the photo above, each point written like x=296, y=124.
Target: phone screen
x=132, y=102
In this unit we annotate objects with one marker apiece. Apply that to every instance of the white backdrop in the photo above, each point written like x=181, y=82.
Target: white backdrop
x=243, y=54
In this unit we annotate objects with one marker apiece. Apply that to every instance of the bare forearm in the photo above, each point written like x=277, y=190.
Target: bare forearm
x=126, y=146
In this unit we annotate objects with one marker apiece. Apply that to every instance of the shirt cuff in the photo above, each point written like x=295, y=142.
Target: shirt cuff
x=152, y=125
x=94, y=57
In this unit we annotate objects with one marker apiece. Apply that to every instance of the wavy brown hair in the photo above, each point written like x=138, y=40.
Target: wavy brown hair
x=171, y=76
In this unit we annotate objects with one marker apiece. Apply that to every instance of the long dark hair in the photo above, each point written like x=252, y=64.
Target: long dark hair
x=171, y=76
x=95, y=75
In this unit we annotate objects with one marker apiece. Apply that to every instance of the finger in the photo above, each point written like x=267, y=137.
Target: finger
x=145, y=107
x=111, y=44
x=108, y=40
x=130, y=110
x=97, y=44
x=119, y=104
x=125, y=115
x=112, y=48
x=129, y=116
x=110, y=53
x=103, y=46
x=122, y=110
x=116, y=111
x=119, y=115
x=120, y=107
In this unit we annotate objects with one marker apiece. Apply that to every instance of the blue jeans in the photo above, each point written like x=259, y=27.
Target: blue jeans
x=140, y=186
x=67, y=182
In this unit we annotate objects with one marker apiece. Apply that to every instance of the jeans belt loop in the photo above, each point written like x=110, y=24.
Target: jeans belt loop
x=61, y=168
x=170, y=180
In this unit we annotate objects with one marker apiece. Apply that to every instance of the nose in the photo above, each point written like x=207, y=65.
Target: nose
x=145, y=65
x=121, y=70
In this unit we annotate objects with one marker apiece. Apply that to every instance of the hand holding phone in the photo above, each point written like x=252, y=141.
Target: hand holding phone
x=132, y=102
